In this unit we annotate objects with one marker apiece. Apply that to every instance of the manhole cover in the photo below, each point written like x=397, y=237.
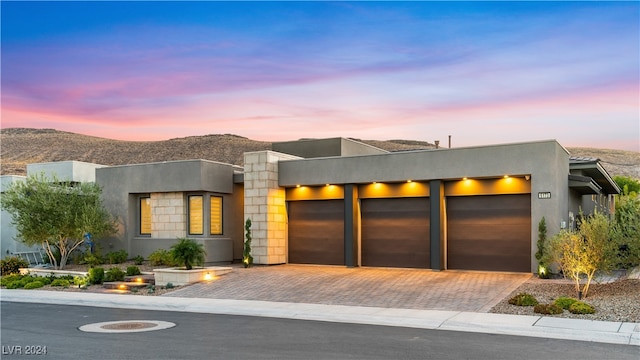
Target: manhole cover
x=127, y=326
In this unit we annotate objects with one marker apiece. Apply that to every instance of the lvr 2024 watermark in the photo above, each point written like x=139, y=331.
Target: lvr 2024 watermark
x=24, y=350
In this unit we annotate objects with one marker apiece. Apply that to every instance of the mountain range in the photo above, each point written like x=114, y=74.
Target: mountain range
x=22, y=146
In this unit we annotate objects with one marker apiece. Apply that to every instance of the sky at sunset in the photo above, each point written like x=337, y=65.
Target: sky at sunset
x=483, y=73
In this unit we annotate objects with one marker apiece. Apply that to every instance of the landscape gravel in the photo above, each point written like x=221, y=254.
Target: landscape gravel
x=614, y=301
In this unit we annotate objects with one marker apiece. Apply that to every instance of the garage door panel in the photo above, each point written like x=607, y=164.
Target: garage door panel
x=316, y=232
x=489, y=232
x=395, y=232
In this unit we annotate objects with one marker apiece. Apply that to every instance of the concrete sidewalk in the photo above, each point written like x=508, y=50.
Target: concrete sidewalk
x=520, y=325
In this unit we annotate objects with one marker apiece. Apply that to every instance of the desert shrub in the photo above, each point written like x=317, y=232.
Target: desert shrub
x=188, y=252
x=93, y=259
x=117, y=257
x=45, y=280
x=580, y=307
x=80, y=280
x=12, y=265
x=61, y=282
x=151, y=289
x=114, y=274
x=523, y=299
x=133, y=270
x=161, y=257
x=564, y=302
x=169, y=285
x=34, y=285
x=6, y=279
x=547, y=309
x=15, y=285
x=138, y=260
x=96, y=275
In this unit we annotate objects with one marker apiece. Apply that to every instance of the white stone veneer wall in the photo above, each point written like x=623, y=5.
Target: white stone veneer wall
x=264, y=204
x=168, y=215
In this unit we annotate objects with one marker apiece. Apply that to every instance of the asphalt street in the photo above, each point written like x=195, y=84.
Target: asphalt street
x=28, y=326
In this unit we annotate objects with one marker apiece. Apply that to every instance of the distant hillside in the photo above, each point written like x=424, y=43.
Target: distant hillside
x=23, y=146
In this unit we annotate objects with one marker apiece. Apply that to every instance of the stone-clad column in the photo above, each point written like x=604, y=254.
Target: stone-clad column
x=264, y=204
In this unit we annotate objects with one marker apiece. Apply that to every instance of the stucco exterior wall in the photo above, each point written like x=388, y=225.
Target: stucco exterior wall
x=545, y=163
x=168, y=184
x=76, y=171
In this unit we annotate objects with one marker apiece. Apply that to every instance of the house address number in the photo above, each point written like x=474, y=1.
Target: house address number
x=544, y=195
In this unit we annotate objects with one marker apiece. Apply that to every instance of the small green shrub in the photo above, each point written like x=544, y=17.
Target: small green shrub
x=117, y=257
x=547, y=309
x=134, y=290
x=96, y=275
x=564, y=302
x=9, y=278
x=138, y=260
x=151, y=289
x=45, y=280
x=523, y=299
x=580, y=307
x=15, y=285
x=12, y=265
x=61, y=282
x=80, y=281
x=169, y=285
x=114, y=274
x=93, y=259
x=34, y=285
x=161, y=257
x=133, y=270
x=188, y=252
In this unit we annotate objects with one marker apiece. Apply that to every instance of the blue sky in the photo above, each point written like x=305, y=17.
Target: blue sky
x=483, y=72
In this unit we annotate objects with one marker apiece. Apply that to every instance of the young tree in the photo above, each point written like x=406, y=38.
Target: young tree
x=628, y=185
x=583, y=252
x=626, y=229
x=247, y=258
x=56, y=214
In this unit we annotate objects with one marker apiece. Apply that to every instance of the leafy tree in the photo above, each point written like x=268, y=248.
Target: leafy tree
x=626, y=229
x=628, y=184
x=581, y=253
x=188, y=252
x=56, y=214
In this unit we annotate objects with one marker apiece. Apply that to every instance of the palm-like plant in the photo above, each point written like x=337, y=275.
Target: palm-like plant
x=188, y=252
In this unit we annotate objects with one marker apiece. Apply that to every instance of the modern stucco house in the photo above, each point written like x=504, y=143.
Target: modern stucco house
x=341, y=202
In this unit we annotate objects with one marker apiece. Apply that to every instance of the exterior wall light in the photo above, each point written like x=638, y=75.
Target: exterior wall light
x=506, y=176
x=527, y=177
x=298, y=185
x=409, y=181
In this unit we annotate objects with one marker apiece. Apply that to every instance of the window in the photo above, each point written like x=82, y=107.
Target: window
x=215, y=215
x=196, y=215
x=145, y=215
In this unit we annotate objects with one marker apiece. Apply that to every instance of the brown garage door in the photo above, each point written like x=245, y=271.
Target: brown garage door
x=491, y=232
x=395, y=232
x=316, y=232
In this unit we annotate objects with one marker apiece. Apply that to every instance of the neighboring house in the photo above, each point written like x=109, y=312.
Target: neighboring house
x=341, y=202
x=74, y=171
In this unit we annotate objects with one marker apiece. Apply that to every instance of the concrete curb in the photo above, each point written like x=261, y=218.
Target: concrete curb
x=519, y=325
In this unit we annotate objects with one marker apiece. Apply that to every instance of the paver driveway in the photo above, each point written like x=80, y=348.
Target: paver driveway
x=335, y=285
